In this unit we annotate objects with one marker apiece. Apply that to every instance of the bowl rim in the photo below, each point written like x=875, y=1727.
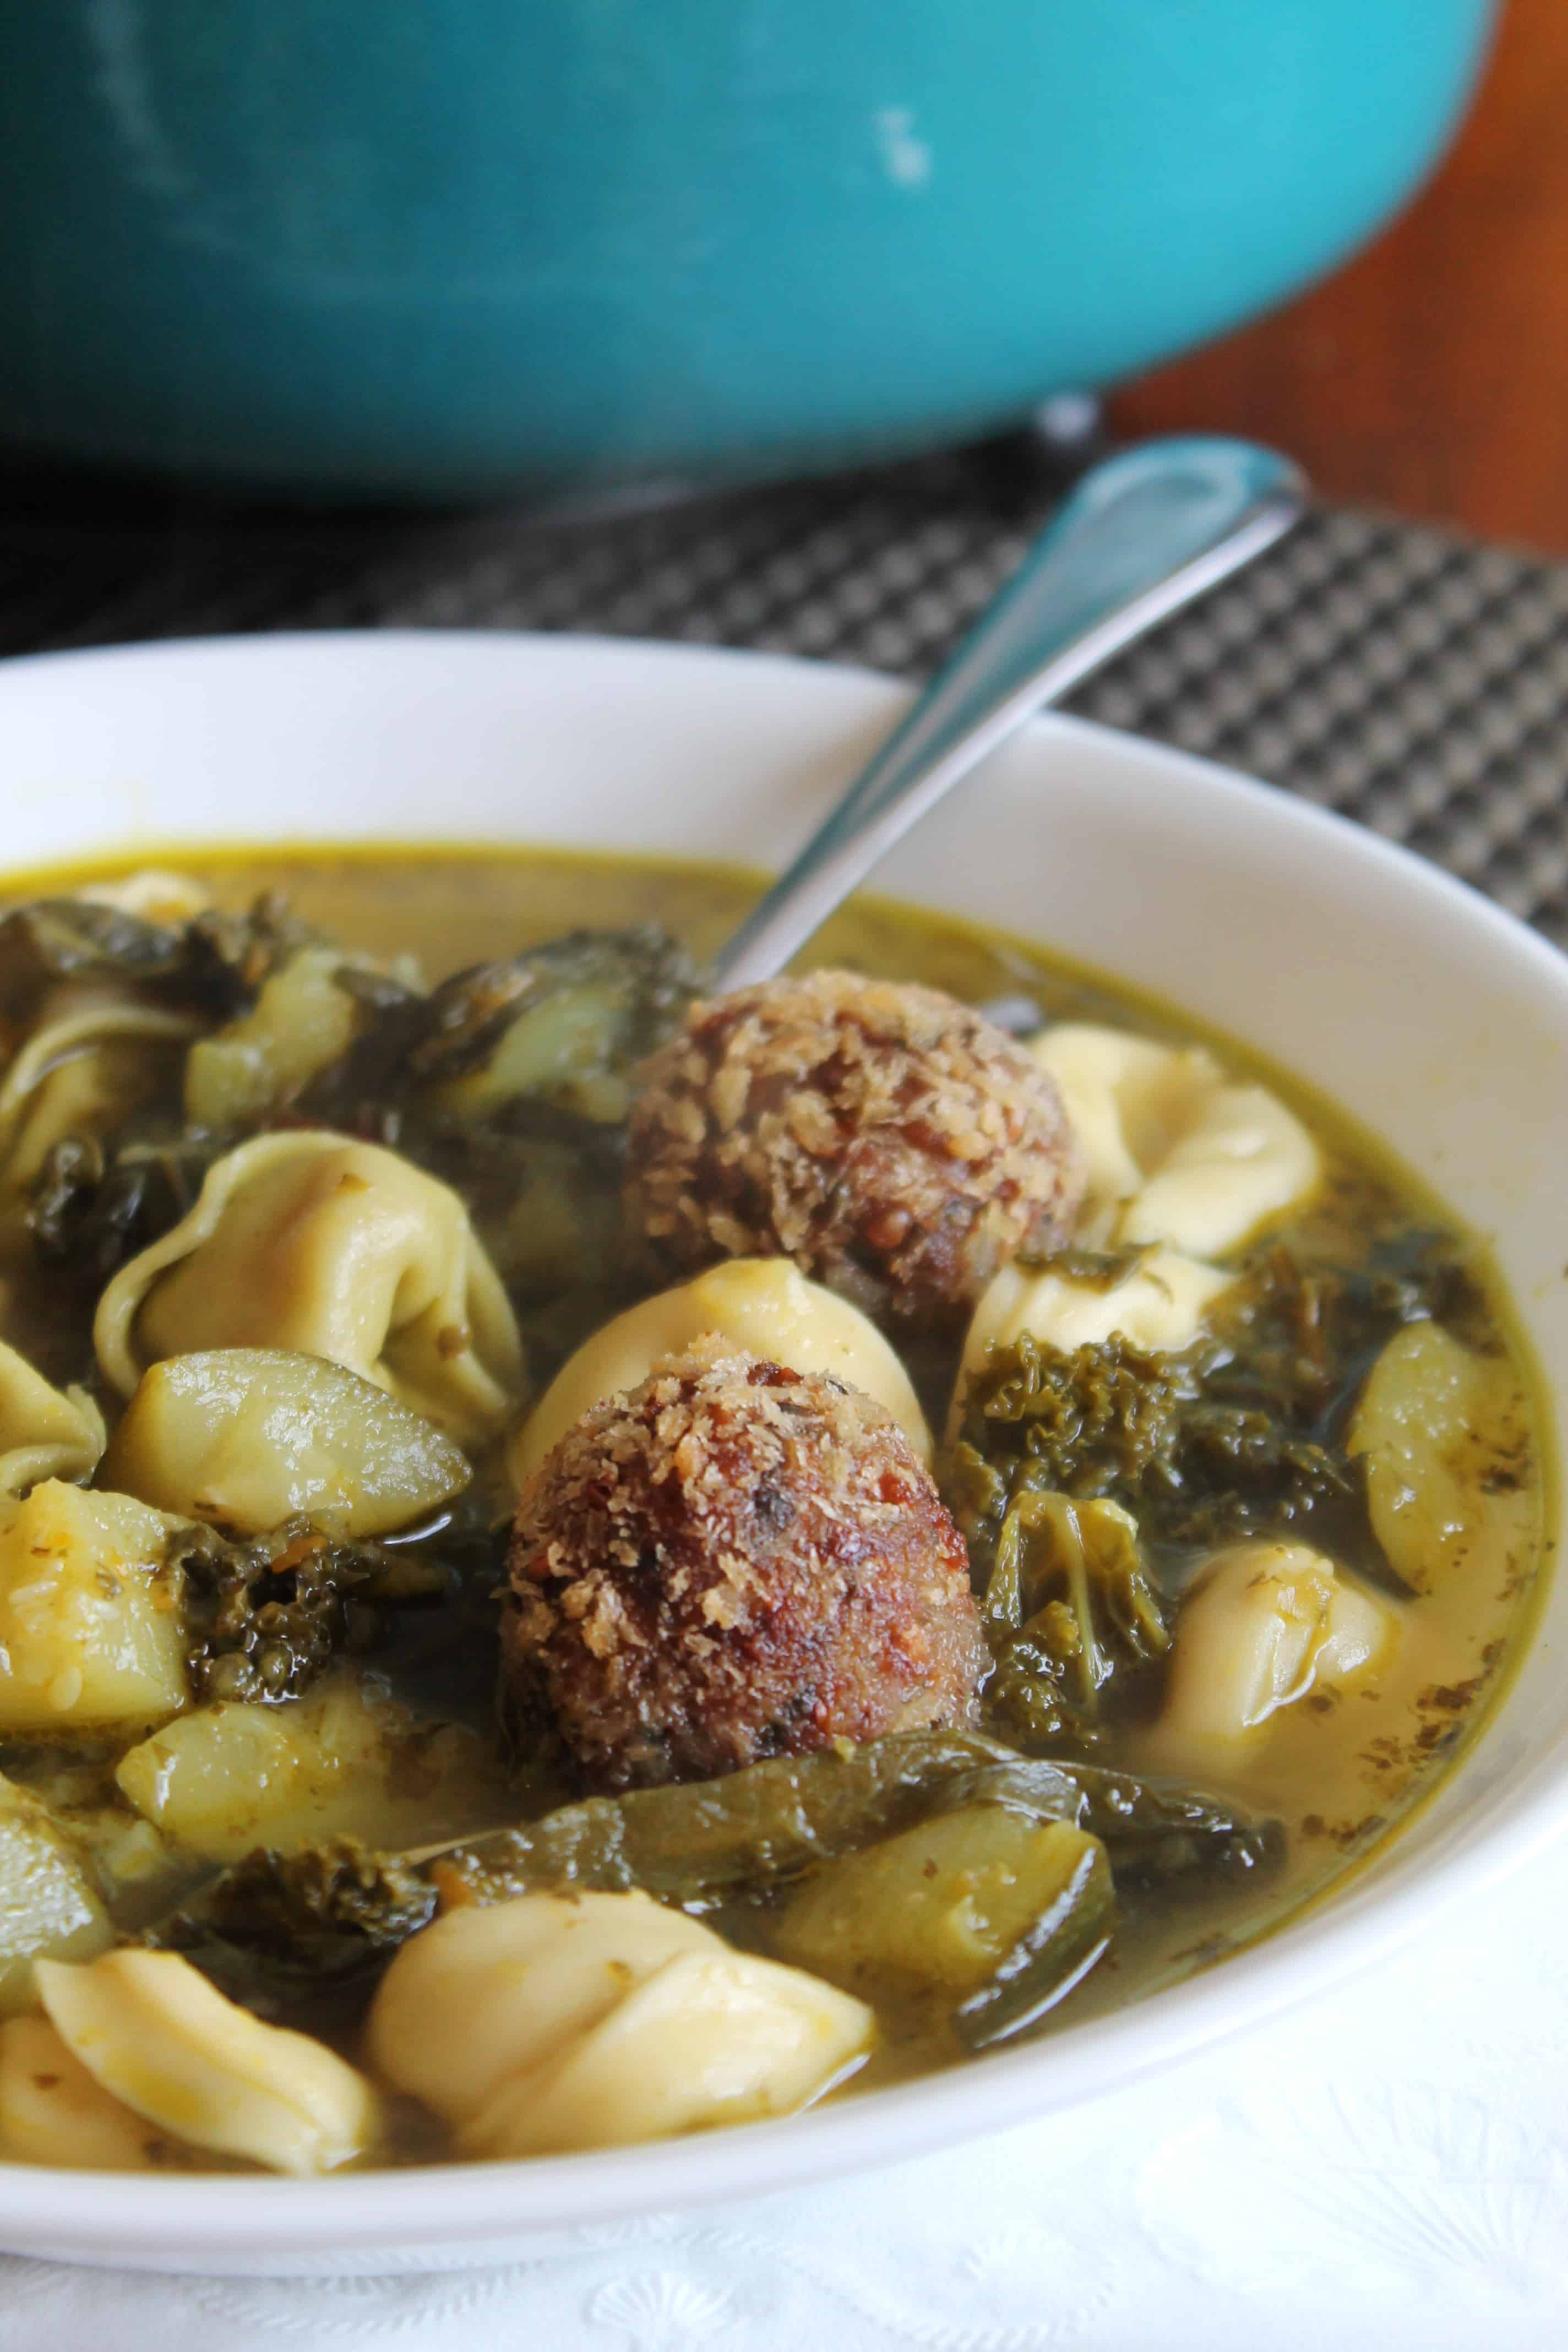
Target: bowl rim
x=451, y=2205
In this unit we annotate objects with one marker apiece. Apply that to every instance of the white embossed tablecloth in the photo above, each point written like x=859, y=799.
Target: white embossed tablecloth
x=1384, y=2167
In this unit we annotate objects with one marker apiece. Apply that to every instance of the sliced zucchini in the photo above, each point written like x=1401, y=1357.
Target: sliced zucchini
x=995, y=1910
x=49, y=1907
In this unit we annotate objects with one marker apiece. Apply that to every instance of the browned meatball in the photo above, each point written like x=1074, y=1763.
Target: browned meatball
x=887, y=1137
x=730, y=1562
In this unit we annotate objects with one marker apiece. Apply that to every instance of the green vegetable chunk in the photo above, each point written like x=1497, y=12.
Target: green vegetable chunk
x=263, y=1618
x=251, y=1437
x=300, y=1023
x=699, y=1843
x=216, y=962
x=696, y=1841
x=1067, y=1603
x=983, y=1906
x=276, y=1926
x=49, y=1907
x=564, y=1024
x=1443, y=1435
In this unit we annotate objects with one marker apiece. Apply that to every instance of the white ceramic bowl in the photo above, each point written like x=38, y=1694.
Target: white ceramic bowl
x=1434, y=1017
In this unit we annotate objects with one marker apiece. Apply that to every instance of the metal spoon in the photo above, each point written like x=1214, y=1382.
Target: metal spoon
x=1139, y=537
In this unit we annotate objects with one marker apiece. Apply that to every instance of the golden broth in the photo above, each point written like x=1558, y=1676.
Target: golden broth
x=1341, y=1770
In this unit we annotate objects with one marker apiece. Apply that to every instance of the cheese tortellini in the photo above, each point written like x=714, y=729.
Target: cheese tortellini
x=93, y=1054
x=326, y=1247
x=52, y=2111
x=553, y=2022
x=1268, y=1623
x=45, y=1431
x=154, y=2034
x=764, y=1304
x=1175, y=1152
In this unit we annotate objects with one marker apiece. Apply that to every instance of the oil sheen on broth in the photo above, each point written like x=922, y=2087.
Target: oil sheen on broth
x=1357, y=1311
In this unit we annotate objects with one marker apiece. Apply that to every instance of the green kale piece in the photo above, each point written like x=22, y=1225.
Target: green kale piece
x=1239, y=1436
x=214, y=965
x=1102, y=1422
x=1098, y=1422
x=698, y=1841
x=276, y=1925
x=1160, y=1832
x=264, y=1618
x=560, y=1028
x=334, y=1914
x=1161, y=1434
x=1300, y=1331
x=94, y=1205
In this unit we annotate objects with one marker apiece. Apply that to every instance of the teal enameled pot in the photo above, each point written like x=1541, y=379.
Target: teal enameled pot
x=457, y=249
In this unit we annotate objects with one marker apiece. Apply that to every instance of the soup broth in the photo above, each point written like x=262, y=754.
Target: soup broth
x=1269, y=1563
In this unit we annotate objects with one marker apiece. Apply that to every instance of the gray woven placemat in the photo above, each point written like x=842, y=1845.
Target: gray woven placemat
x=1407, y=676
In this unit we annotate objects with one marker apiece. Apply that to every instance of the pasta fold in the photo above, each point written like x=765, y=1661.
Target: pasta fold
x=309, y=1242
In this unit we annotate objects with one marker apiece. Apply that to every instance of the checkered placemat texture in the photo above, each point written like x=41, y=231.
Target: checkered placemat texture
x=1407, y=676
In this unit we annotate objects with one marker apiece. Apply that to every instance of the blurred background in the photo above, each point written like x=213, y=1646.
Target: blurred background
x=1430, y=373
x=520, y=255
x=782, y=322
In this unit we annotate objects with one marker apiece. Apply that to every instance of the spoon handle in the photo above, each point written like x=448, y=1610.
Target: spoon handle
x=1140, y=535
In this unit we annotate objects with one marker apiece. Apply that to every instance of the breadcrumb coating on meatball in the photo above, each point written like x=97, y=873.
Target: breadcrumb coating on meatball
x=733, y=1561
x=891, y=1141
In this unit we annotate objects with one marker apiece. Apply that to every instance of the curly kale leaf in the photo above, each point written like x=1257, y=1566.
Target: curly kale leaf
x=1100, y=1422
x=1239, y=1436
x=94, y=1205
x=1097, y=1422
x=1155, y=1434
x=1299, y=1333
x=277, y=1925
x=1069, y=1605
x=264, y=1619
